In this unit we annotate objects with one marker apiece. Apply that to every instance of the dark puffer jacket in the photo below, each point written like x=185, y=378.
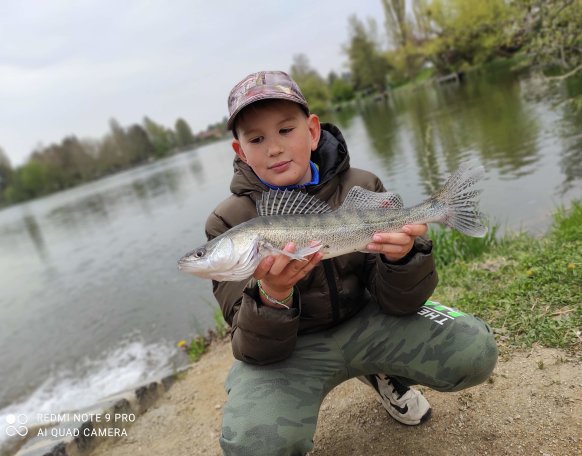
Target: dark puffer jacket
x=337, y=288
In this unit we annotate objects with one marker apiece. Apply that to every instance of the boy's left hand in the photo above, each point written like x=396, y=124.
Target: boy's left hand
x=396, y=246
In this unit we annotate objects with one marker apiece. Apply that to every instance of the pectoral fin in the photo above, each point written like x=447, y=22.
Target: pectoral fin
x=300, y=254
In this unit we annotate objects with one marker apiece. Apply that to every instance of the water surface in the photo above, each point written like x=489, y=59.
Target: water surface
x=91, y=301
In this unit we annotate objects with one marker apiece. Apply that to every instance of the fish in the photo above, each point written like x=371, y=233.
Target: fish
x=313, y=226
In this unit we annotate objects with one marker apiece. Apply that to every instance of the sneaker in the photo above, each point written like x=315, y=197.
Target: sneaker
x=404, y=404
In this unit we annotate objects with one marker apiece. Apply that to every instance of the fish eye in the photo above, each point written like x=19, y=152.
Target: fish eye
x=200, y=253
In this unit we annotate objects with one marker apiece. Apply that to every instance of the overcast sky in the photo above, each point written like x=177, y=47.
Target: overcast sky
x=67, y=67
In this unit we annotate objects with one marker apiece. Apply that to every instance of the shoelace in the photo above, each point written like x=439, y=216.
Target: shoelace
x=398, y=387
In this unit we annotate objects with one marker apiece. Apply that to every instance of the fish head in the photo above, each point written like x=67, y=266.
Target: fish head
x=229, y=257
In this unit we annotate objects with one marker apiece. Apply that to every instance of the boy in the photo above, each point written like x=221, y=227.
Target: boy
x=300, y=328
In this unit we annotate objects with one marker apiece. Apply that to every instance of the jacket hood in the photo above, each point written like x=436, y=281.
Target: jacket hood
x=331, y=156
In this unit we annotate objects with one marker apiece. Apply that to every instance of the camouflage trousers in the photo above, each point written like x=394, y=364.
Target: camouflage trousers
x=272, y=409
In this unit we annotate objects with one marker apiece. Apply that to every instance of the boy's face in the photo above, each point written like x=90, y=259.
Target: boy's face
x=276, y=141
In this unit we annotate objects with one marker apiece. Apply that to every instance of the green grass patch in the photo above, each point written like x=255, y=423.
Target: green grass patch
x=529, y=289
x=450, y=245
x=197, y=348
x=423, y=75
x=199, y=344
x=219, y=324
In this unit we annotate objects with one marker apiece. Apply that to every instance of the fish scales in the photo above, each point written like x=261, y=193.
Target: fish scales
x=313, y=226
x=340, y=231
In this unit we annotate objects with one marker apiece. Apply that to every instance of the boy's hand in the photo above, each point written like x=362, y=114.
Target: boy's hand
x=278, y=274
x=396, y=246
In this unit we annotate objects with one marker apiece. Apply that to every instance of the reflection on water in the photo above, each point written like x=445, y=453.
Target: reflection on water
x=88, y=210
x=571, y=160
x=488, y=119
x=197, y=170
x=96, y=207
x=33, y=230
x=506, y=129
x=382, y=129
x=81, y=269
x=447, y=124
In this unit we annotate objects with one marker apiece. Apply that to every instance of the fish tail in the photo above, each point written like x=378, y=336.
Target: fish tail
x=461, y=201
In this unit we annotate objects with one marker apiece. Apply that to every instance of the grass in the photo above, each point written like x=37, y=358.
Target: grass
x=529, y=289
x=197, y=347
x=219, y=323
x=199, y=344
x=453, y=245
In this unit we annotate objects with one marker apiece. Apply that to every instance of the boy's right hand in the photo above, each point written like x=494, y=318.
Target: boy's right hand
x=278, y=274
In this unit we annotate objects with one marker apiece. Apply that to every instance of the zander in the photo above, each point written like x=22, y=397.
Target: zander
x=292, y=216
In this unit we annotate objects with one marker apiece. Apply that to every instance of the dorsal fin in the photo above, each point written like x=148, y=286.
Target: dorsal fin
x=360, y=198
x=287, y=202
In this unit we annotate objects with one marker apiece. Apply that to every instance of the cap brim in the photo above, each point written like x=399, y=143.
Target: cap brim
x=259, y=97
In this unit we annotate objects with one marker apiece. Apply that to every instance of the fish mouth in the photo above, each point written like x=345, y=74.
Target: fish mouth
x=183, y=263
x=187, y=262
x=189, y=266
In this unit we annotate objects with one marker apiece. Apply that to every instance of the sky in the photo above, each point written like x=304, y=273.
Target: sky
x=68, y=66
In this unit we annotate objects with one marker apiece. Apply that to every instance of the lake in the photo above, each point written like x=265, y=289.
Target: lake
x=91, y=300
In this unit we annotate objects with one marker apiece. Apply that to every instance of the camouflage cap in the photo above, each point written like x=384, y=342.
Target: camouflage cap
x=263, y=85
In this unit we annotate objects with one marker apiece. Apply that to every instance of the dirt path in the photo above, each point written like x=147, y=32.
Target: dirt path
x=532, y=405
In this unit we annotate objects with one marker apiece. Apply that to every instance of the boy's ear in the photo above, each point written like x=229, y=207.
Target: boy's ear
x=236, y=146
x=314, y=130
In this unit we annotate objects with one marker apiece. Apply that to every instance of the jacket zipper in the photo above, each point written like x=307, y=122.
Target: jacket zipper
x=331, y=283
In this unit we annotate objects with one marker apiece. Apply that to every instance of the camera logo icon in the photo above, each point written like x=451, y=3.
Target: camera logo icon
x=16, y=425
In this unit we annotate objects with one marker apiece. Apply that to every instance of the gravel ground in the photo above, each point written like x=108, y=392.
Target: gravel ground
x=531, y=405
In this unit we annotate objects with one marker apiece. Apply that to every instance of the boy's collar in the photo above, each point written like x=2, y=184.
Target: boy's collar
x=314, y=180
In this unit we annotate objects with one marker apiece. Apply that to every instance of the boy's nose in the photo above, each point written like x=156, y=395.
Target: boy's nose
x=274, y=149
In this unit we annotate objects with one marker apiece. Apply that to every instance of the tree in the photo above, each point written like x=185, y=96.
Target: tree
x=464, y=33
x=341, y=90
x=184, y=136
x=139, y=146
x=368, y=66
x=301, y=69
x=81, y=163
x=313, y=86
x=552, y=32
x=161, y=138
x=422, y=25
x=5, y=173
x=395, y=22
x=30, y=180
x=133, y=144
x=331, y=77
x=4, y=160
x=405, y=58
x=109, y=159
x=119, y=138
x=66, y=163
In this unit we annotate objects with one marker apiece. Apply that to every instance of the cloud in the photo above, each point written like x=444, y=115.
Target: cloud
x=69, y=66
